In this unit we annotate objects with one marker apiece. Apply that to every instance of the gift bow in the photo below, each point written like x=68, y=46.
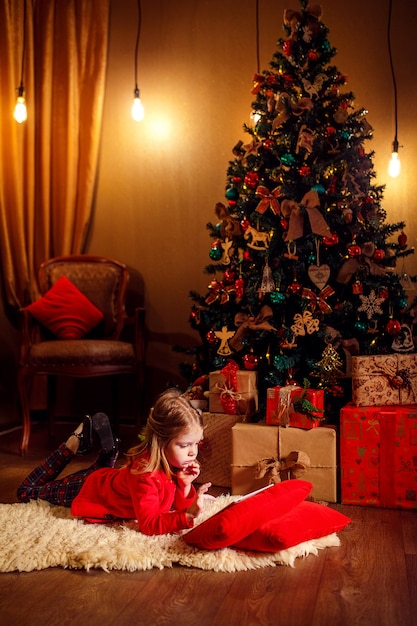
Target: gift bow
x=268, y=199
x=292, y=210
x=293, y=466
x=245, y=322
x=319, y=299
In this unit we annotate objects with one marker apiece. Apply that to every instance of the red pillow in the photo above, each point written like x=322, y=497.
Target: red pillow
x=241, y=518
x=306, y=521
x=65, y=311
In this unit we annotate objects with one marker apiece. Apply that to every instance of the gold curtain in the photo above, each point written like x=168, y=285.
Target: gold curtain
x=48, y=164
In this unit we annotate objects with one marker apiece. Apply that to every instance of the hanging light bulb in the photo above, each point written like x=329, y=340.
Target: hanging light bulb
x=394, y=166
x=20, y=113
x=138, y=112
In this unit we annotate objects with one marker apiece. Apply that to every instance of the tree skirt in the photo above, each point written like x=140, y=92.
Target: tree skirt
x=36, y=536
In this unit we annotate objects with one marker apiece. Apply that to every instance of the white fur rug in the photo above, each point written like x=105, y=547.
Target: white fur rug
x=36, y=536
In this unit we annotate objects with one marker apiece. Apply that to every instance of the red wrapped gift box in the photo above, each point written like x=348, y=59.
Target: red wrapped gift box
x=378, y=456
x=280, y=407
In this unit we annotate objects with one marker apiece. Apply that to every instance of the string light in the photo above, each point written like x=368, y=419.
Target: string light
x=394, y=166
x=138, y=112
x=20, y=113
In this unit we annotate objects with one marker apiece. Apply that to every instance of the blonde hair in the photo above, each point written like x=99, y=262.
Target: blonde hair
x=171, y=415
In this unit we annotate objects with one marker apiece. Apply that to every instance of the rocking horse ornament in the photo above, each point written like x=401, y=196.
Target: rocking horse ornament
x=258, y=240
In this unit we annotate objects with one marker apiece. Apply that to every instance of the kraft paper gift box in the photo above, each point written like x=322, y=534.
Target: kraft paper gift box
x=253, y=442
x=215, y=455
x=384, y=379
x=239, y=396
x=378, y=456
x=280, y=406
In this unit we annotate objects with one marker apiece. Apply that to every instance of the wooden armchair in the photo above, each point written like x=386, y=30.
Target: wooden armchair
x=75, y=329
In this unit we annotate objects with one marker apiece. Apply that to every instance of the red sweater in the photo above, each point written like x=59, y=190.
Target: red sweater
x=152, y=499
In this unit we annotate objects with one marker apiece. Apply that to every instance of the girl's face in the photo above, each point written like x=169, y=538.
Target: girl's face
x=183, y=449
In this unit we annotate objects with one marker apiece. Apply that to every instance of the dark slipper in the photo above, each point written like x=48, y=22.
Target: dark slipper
x=101, y=425
x=85, y=437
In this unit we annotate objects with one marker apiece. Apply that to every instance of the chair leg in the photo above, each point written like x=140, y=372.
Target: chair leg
x=51, y=399
x=23, y=385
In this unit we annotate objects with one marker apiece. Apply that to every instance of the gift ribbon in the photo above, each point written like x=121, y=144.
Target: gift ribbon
x=293, y=466
x=231, y=400
x=284, y=404
x=319, y=299
x=268, y=199
x=245, y=322
x=294, y=211
x=230, y=371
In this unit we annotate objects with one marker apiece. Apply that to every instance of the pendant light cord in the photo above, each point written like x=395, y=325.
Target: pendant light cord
x=394, y=82
x=258, y=64
x=21, y=88
x=137, y=43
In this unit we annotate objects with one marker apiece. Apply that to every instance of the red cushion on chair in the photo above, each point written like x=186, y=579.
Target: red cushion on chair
x=241, y=518
x=65, y=311
x=308, y=520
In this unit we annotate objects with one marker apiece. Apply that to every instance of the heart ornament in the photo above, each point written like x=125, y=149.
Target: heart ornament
x=319, y=275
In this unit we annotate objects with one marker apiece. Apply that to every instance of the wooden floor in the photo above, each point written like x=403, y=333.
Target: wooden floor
x=371, y=580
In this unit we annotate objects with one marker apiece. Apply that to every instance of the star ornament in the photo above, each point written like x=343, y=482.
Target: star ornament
x=371, y=305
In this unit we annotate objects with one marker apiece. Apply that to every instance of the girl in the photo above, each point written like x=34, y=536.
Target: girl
x=154, y=486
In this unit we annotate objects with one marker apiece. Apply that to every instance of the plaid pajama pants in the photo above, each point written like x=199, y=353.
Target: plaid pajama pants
x=43, y=482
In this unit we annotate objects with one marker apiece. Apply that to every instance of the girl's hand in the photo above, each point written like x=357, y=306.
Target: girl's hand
x=187, y=475
x=197, y=506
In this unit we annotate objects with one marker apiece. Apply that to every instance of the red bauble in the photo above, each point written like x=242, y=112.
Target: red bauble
x=331, y=241
x=354, y=250
x=237, y=179
x=247, y=256
x=295, y=288
x=378, y=255
x=383, y=292
x=393, y=327
x=211, y=338
x=250, y=361
x=245, y=225
x=402, y=239
x=251, y=180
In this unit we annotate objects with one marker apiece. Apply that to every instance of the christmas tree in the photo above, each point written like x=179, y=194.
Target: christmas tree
x=303, y=263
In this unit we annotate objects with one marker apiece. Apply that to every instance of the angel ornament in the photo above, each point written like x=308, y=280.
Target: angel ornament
x=227, y=249
x=224, y=335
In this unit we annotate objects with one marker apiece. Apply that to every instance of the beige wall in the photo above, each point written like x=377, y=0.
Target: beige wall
x=159, y=180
